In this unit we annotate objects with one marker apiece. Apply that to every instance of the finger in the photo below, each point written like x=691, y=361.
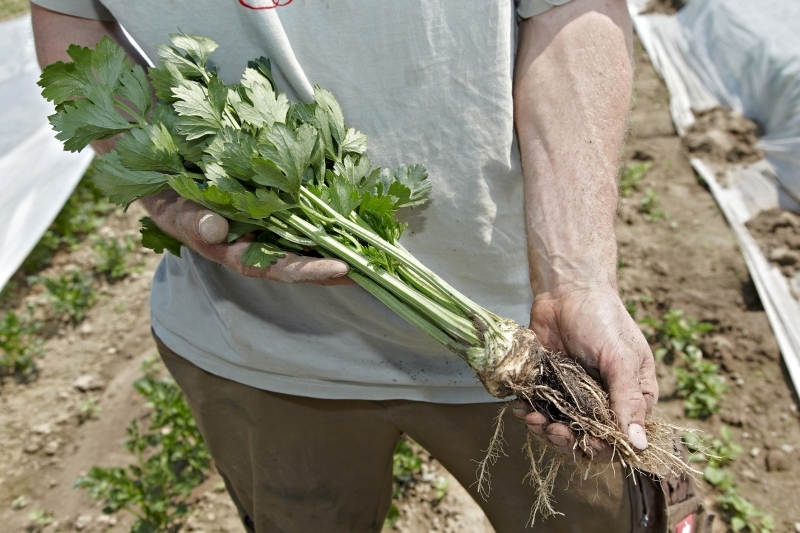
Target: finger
x=595, y=449
x=301, y=269
x=196, y=225
x=560, y=435
x=626, y=398
x=537, y=423
x=521, y=408
x=212, y=228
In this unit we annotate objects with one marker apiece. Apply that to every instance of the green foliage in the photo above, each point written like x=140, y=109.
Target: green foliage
x=630, y=176
x=650, y=207
x=19, y=344
x=81, y=215
x=88, y=409
x=675, y=334
x=675, y=338
x=716, y=453
x=744, y=515
x=171, y=460
x=38, y=520
x=700, y=385
x=405, y=465
x=156, y=240
x=71, y=294
x=112, y=256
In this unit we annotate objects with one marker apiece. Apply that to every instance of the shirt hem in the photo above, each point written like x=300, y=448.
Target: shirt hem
x=313, y=388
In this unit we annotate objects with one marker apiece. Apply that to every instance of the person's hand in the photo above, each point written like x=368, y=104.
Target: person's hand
x=590, y=324
x=206, y=232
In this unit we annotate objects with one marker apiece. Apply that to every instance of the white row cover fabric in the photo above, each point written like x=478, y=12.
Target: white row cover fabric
x=36, y=175
x=744, y=55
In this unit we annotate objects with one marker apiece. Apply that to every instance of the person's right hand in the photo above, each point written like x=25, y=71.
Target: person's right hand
x=205, y=232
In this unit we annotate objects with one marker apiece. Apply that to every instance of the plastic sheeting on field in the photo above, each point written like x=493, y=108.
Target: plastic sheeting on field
x=744, y=55
x=36, y=175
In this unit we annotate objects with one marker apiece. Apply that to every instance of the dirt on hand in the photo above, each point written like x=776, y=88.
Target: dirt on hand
x=721, y=135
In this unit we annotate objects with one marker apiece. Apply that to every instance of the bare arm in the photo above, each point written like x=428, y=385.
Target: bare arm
x=573, y=84
x=195, y=226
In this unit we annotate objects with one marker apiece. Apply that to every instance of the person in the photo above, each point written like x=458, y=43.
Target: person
x=301, y=383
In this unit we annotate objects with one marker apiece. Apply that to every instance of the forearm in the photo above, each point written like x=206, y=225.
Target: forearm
x=572, y=93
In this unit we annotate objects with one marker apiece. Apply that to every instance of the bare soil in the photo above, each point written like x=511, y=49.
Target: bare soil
x=721, y=135
x=689, y=261
x=665, y=7
x=777, y=231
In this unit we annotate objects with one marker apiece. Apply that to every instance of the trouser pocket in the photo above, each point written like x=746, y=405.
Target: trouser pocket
x=667, y=505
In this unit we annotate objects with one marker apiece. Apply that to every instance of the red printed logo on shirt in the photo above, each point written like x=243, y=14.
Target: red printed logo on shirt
x=265, y=4
x=686, y=525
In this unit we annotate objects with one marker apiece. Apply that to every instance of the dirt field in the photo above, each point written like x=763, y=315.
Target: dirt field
x=687, y=261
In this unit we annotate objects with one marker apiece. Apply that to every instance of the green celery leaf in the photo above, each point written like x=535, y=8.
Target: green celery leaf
x=354, y=142
x=135, y=89
x=344, y=197
x=261, y=254
x=260, y=205
x=268, y=175
x=415, y=178
x=211, y=196
x=261, y=106
x=109, y=62
x=196, y=46
x=262, y=65
x=63, y=81
x=198, y=116
x=330, y=121
x=292, y=152
x=186, y=67
x=353, y=172
x=123, y=186
x=234, y=149
x=150, y=148
x=163, y=78
x=155, y=239
x=217, y=95
x=79, y=122
x=236, y=229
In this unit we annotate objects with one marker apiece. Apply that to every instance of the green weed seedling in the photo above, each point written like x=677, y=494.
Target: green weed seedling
x=171, y=460
x=716, y=453
x=38, y=520
x=650, y=207
x=71, y=294
x=112, y=256
x=744, y=515
x=19, y=344
x=88, y=409
x=631, y=175
x=675, y=334
x=699, y=382
x=405, y=465
x=81, y=215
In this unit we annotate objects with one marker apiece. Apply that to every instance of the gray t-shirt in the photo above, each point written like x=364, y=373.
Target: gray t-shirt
x=428, y=82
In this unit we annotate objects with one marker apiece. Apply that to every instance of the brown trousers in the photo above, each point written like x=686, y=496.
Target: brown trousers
x=297, y=465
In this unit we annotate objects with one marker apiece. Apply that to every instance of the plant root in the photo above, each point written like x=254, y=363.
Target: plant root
x=493, y=452
x=560, y=388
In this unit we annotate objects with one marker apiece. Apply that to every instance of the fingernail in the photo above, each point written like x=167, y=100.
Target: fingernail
x=339, y=275
x=637, y=435
x=558, y=440
x=212, y=228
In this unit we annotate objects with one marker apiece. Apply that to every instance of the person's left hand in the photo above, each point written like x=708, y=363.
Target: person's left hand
x=590, y=324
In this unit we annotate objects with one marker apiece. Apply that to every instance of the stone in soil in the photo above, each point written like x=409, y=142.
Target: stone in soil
x=87, y=383
x=778, y=461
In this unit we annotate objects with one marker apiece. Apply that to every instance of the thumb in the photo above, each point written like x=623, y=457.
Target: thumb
x=627, y=401
x=212, y=227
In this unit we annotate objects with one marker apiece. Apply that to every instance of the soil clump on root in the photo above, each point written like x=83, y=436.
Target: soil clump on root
x=557, y=386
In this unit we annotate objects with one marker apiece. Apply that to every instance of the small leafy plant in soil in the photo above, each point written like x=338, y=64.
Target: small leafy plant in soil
x=171, y=460
x=71, y=294
x=19, y=345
